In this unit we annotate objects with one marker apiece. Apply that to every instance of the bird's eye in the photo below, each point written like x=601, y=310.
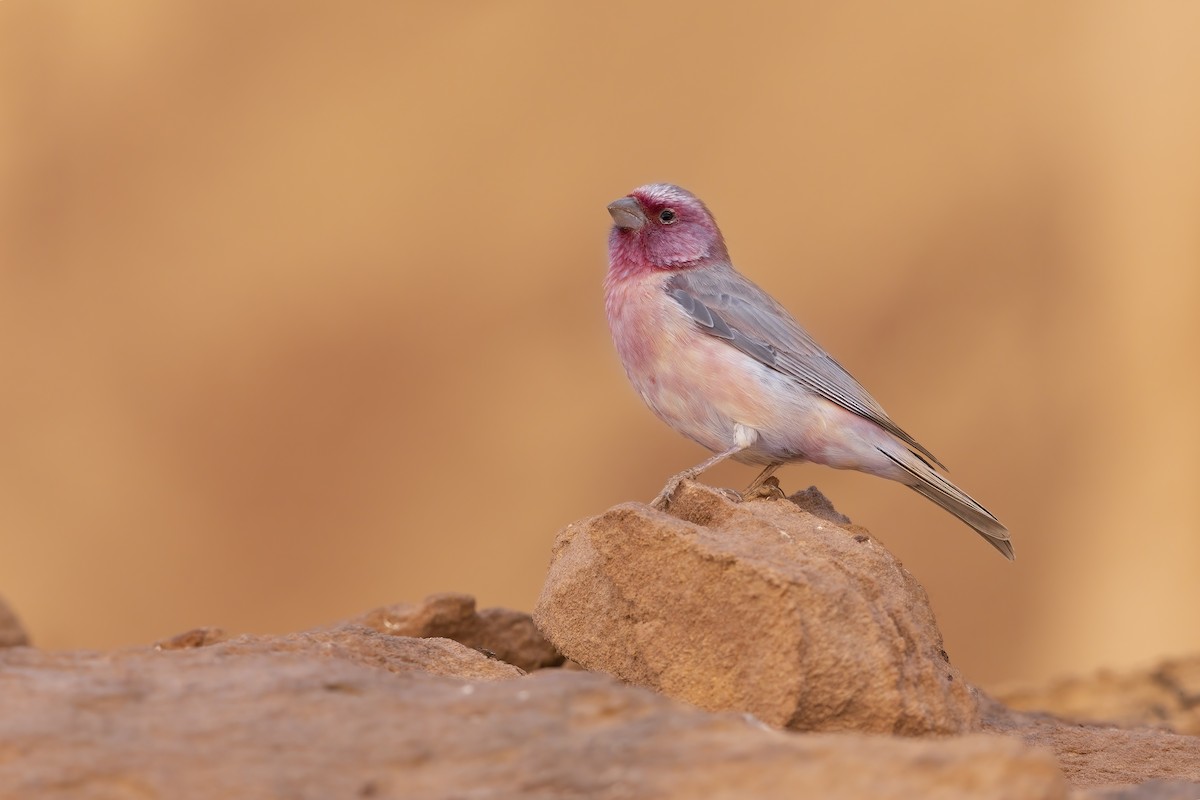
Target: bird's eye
x=666, y=216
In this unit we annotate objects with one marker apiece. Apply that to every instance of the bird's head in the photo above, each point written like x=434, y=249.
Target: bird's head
x=662, y=227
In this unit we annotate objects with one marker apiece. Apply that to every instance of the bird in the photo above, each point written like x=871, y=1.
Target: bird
x=723, y=363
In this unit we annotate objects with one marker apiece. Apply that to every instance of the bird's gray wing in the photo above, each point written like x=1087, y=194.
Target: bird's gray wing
x=728, y=306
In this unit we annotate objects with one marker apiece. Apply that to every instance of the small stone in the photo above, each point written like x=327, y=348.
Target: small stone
x=11, y=632
x=507, y=635
x=197, y=637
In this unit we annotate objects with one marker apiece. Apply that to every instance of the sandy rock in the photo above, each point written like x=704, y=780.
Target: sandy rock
x=11, y=632
x=508, y=635
x=1151, y=790
x=352, y=643
x=1104, y=756
x=361, y=645
x=250, y=719
x=196, y=637
x=779, y=608
x=1165, y=696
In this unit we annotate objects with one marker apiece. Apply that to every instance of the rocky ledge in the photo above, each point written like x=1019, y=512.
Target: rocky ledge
x=722, y=650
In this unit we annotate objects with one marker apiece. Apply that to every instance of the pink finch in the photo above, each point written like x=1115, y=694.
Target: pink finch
x=720, y=361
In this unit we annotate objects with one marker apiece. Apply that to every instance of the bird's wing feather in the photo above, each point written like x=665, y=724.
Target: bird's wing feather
x=728, y=306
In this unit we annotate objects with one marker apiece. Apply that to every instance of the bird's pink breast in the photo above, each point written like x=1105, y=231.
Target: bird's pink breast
x=698, y=385
x=701, y=386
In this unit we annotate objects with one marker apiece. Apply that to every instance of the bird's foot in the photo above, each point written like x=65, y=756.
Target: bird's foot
x=768, y=488
x=732, y=495
x=744, y=440
x=663, y=500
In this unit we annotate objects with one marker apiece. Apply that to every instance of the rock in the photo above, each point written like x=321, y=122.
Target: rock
x=1100, y=755
x=353, y=712
x=361, y=645
x=778, y=608
x=353, y=643
x=197, y=637
x=295, y=717
x=1151, y=790
x=1165, y=696
x=508, y=635
x=11, y=632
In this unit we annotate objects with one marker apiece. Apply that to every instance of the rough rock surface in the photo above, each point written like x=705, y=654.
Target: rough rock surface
x=352, y=644
x=1103, y=755
x=510, y=636
x=1151, y=790
x=322, y=715
x=11, y=632
x=196, y=637
x=779, y=608
x=1165, y=696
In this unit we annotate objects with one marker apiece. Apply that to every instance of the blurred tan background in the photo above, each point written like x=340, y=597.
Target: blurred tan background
x=300, y=305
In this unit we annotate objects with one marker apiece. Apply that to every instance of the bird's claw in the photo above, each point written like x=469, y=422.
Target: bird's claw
x=732, y=495
x=663, y=500
x=768, y=488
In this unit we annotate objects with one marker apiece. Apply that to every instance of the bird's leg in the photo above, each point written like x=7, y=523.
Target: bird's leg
x=755, y=488
x=664, y=497
x=743, y=437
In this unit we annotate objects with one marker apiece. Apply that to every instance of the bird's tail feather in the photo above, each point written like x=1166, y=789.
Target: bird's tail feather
x=926, y=481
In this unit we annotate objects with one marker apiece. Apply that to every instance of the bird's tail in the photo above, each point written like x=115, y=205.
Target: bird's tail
x=923, y=479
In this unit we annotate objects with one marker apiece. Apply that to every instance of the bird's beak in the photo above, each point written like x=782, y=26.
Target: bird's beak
x=627, y=214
